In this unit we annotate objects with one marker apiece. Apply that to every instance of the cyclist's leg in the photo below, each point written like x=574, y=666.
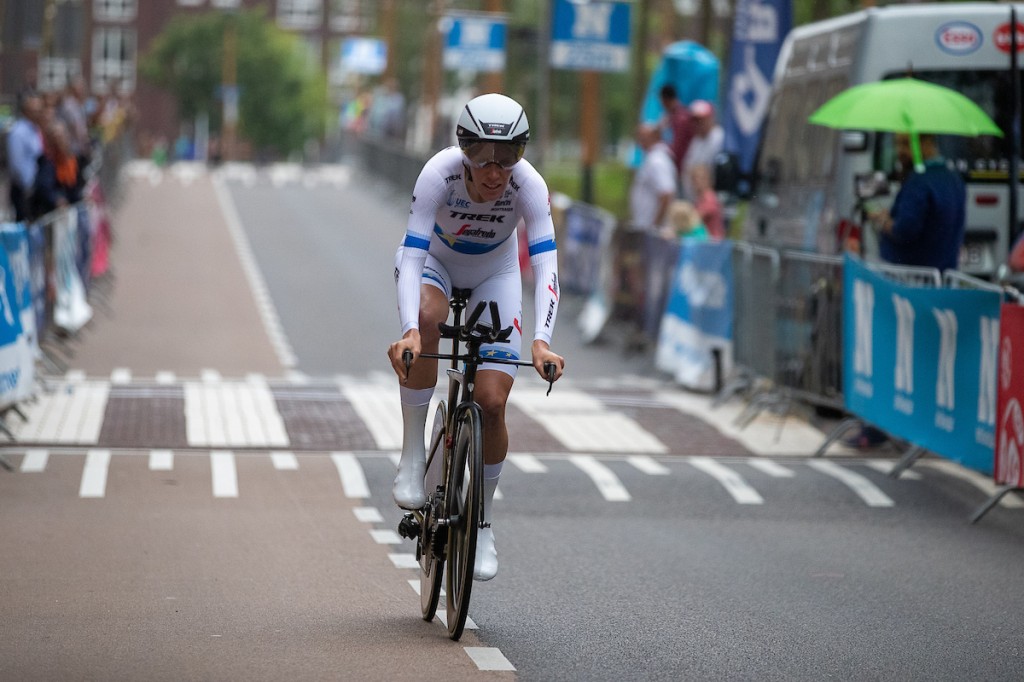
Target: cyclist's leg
x=417, y=391
x=494, y=382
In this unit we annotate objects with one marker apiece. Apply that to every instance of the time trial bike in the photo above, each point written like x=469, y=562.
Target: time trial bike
x=446, y=527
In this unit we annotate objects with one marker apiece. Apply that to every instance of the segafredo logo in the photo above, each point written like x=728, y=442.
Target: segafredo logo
x=959, y=37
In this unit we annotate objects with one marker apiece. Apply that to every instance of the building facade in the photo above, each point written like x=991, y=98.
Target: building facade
x=42, y=44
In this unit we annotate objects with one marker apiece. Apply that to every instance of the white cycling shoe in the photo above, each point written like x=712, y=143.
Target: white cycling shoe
x=486, y=565
x=408, y=488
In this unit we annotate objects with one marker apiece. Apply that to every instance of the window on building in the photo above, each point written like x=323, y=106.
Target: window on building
x=349, y=16
x=226, y=4
x=113, y=59
x=299, y=14
x=190, y=3
x=55, y=72
x=114, y=10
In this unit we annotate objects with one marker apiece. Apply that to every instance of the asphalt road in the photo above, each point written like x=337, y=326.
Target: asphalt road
x=712, y=560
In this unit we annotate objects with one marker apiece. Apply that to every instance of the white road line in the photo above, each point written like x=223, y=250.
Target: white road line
x=395, y=457
x=605, y=480
x=161, y=460
x=121, y=375
x=885, y=466
x=224, y=474
x=353, y=481
x=34, y=461
x=383, y=536
x=648, y=465
x=442, y=616
x=165, y=377
x=94, y=474
x=379, y=408
x=296, y=377
x=767, y=466
x=414, y=583
x=529, y=464
x=488, y=658
x=258, y=286
x=368, y=514
x=404, y=560
x=734, y=484
x=865, y=489
x=74, y=376
x=979, y=481
x=284, y=461
x=209, y=376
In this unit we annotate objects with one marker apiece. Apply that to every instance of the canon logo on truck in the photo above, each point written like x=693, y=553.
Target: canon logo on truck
x=959, y=37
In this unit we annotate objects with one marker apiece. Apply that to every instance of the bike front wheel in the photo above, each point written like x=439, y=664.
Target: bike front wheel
x=464, y=498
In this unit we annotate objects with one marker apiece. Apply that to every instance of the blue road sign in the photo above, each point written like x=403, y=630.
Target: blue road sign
x=590, y=36
x=475, y=41
x=364, y=55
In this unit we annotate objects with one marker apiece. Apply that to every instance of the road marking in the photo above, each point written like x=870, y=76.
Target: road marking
x=395, y=457
x=488, y=658
x=885, y=466
x=648, y=465
x=771, y=468
x=258, y=286
x=121, y=375
x=527, y=463
x=284, y=461
x=404, y=560
x=981, y=482
x=165, y=378
x=224, y=474
x=379, y=408
x=442, y=616
x=232, y=414
x=209, y=376
x=865, y=489
x=94, y=474
x=161, y=460
x=34, y=461
x=603, y=477
x=368, y=514
x=353, y=481
x=74, y=376
x=383, y=536
x=734, y=484
x=296, y=377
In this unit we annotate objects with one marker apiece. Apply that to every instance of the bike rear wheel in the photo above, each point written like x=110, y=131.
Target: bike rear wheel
x=432, y=540
x=464, y=496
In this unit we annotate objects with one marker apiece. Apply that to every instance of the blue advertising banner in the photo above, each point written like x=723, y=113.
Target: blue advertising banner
x=759, y=28
x=591, y=36
x=921, y=363
x=364, y=55
x=475, y=41
x=16, y=246
x=698, y=316
x=12, y=350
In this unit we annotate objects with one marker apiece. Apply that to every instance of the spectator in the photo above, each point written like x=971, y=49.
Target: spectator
x=677, y=125
x=654, y=184
x=706, y=201
x=687, y=221
x=924, y=227
x=707, y=141
x=24, y=147
x=73, y=111
x=58, y=180
x=1017, y=256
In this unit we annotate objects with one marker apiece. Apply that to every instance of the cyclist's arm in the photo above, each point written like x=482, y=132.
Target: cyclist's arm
x=427, y=196
x=540, y=234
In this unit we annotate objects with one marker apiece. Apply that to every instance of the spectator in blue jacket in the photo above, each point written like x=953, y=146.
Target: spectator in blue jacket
x=925, y=225
x=24, y=147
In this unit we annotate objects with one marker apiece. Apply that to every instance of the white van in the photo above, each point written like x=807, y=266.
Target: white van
x=804, y=194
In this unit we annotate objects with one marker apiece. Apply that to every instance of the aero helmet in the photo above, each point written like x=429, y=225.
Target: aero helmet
x=493, y=128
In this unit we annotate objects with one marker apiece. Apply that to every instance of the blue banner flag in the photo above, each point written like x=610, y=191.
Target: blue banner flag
x=921, y=363
x=475, y=41
x=759, y=28
x=591, y=36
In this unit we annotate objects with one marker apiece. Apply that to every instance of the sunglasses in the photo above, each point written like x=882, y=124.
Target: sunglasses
x=505, y=154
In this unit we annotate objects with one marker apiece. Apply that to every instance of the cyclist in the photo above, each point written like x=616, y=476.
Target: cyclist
x=461, y=231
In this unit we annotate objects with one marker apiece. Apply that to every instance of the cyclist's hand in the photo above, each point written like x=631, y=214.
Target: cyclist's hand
x=411, y=343
x=542, y=355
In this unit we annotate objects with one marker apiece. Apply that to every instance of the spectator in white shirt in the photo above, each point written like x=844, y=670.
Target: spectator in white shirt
x=654, y=184
x=705, y=146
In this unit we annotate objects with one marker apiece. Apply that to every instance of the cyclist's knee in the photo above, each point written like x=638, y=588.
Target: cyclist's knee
x=433, y=311
x=492, y=405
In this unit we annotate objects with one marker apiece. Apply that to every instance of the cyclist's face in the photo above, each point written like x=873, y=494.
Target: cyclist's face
x=487, y=183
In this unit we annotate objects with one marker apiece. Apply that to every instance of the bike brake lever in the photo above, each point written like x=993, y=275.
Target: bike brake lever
x=549, y=374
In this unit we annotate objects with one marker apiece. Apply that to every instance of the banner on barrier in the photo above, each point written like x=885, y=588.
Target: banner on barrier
x=698, y=316
x=921, y=363
x=1010, y=430
x=15, y=239
x=12, y=338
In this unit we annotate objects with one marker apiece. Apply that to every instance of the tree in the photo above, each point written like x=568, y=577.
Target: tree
x=282, y=89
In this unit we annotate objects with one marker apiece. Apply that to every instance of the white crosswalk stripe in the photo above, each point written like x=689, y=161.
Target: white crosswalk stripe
x=740, y=490
x=606, y=481
x=864, y=488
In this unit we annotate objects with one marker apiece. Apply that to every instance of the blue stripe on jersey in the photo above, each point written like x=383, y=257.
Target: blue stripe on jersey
x=454, y=243
x=497, y=352
x=415, y=242
x=542, y=246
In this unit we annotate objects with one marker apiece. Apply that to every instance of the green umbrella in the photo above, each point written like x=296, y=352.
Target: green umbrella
x=905, y=105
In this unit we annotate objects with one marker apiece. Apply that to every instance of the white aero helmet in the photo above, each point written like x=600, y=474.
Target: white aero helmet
x=493, y=128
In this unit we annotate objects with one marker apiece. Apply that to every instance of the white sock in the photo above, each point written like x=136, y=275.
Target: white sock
x=491, y=474
x=408, y=489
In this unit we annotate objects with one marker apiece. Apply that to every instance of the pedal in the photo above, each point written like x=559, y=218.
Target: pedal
x=409, y=527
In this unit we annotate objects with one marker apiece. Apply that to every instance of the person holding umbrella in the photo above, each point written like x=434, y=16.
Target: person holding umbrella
x=925, y=225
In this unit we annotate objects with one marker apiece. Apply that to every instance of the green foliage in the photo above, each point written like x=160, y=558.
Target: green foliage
x=282, y=91
x=611, y=184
